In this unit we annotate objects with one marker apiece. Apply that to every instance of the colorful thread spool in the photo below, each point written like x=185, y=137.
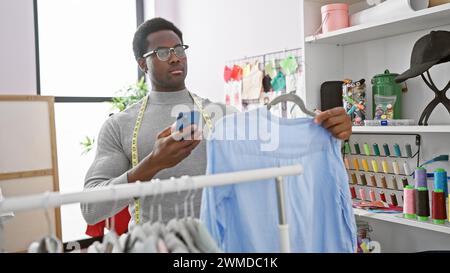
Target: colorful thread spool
x=366, y=149
x=376, y=149
x=373, y=180
x=405, y=182
x=362, y=194
x=353, y=192
x=438, y=213
x=422, y=204
x=406, y=168
x=396, y=167
x=357, y=150
x=394, y=183
x=394, y=200
x=440, y=180
x=386, y=150
x=356, y=164
x=385, y=166
x=354, y=180
x=383, y=182
x=409, y=202
x=408, y=150
x=365, y=165
x=382, y=196
x=374, y=165
x=347, y=163
x=363, y=179
x=347, y=149
x=372, y=196
x=397, y=151
x=420, y=175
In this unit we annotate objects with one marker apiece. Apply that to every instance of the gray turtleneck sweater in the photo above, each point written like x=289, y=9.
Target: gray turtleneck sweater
x=113, y=154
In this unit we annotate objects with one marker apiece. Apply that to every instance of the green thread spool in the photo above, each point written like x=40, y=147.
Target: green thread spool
x=357, y=150
x=376, y=149
x=347, y=149
x=386, y=150
x=408, y=150
x=366, y=149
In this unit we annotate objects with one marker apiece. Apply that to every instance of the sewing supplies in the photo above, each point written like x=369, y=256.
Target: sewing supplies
x=422, y=204
x=394, y=200
x=353, y=192
x=440, y=180
x=354, y=181
x=385, y=166
x=357, y=150
x=362, y=194
x=409, y=202
x=376, y=149
x=396, y=167
x=438, y=213
x=372, y=196
x=405, y=182
x=375, y=165
x=382, y=196
x=386, y=150
x=397, y=150
x=365, y=165
x=373, y=180
x=356, y=164
x=366, y=149
x=420, y=175
x=347, y=163
x=383, y=182
x=408, y=151
x=363, y=179
x=406, y=168
x=347, y=149
x=394, y=183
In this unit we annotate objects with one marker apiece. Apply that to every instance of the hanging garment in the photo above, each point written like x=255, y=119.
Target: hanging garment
x=267, y=86
x=271, y=69
x=279, y=82
x=236, y=73
x=289, y=65
x=121, y=220
x=252, y=82
x=227, y=74
x=244, y=217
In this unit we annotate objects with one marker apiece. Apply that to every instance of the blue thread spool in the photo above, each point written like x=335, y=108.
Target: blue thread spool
x=386, y=150
x=408, y=150
x=376, y=149
x=420, y=175
x=397, y=151
x=440, y=180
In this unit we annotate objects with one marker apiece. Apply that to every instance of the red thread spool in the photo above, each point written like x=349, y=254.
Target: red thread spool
x=438, y=213
x=382, y=196
x=372, y=196
x=353, y=192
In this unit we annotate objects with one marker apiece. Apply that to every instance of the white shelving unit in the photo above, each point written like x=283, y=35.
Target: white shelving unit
x=399, y=219
x=419, y=20
x=402, y=129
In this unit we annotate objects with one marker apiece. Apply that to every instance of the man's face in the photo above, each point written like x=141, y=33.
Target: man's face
x=166, y=75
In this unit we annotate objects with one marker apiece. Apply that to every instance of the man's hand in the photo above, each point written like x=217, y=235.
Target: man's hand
x=336, y=121
x=169, y=150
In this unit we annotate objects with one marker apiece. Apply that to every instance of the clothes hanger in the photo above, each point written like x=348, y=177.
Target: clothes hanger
x=49, y=243
x=111, y=240
x=292, y=97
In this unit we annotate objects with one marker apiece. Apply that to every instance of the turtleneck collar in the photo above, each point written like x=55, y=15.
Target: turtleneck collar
x=173, y=97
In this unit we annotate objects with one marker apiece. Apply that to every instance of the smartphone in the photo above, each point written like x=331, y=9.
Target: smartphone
x=185, y=119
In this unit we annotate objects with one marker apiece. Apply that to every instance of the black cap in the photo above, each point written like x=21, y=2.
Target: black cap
x=431, y=49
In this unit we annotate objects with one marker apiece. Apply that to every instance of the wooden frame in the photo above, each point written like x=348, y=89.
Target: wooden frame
x=53, y=171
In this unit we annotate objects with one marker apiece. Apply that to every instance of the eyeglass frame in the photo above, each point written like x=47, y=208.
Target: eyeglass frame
x=171, y=50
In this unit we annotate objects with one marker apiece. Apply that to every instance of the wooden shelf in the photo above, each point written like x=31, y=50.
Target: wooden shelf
x=402, y=129
x=419, y=20
x=398, y=219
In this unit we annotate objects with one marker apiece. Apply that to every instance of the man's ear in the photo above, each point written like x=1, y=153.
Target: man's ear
x=143, y=65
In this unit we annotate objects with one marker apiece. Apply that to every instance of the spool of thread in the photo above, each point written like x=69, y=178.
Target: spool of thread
x=382, y=196
x=373, y=180
x=409, y=202
x=363, y=179
x=365, y=165
x=347, y=163
x=376, y=149
x=367, y=149
x=357, y=150
x=362, y=194
x=394, y=183
x=375, y=165
x=385, y=166
x=405, y=182
x=396, y=167
x=406, y=168
x=440, y=180
x=383, y=182
x=438, y=213
x=353, y=192
x=408, y=150
x=386, y=150
x=397, y=151
x=422, y=204
x=356, y=164
x=420, y=175
x=354, y=180
x=372, y=196
x=394, y=200
x=347, y=149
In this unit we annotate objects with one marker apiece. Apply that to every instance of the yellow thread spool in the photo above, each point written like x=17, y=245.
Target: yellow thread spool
x=385, y=166
x=375, y=165
x=365, y=165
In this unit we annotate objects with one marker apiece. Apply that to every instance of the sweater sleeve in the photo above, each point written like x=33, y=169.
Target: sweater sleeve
x=110, y=167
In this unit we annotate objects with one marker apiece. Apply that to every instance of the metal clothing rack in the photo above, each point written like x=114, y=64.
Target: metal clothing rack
x=157, y=187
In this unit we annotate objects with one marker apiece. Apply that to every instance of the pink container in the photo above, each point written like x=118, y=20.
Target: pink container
x=334, y=17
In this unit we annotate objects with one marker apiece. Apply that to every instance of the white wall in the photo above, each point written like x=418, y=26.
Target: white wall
x=17, y=50
x=222, y=30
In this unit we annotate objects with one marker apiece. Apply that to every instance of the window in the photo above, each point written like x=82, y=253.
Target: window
x=85, y=56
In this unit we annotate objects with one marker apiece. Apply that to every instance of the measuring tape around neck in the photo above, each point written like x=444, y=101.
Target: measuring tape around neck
x=134, y=146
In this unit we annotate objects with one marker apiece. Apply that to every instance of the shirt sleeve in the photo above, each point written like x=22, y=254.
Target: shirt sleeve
x=110, y=167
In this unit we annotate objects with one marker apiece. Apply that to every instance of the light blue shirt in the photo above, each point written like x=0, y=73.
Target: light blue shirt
x=244, y=217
